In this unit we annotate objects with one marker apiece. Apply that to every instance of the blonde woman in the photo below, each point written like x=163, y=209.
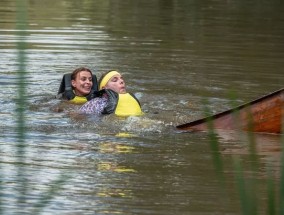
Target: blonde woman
x=112, y=97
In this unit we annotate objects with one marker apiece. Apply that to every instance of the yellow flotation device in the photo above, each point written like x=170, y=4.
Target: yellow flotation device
x=78, y=100
x=127, y=106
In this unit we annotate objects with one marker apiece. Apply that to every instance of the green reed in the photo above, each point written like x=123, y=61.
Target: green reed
x=247, y=187
x=21, y=100
x=214, y=145
x=271, y=209
x=281, y=201
x=21, y=107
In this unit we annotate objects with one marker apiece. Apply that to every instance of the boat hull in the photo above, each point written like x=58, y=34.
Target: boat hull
x=262, y=115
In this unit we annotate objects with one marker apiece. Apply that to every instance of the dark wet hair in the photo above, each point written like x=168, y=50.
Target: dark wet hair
x=78, y=70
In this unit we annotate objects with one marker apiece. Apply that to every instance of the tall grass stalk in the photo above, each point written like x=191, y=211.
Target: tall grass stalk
x=271, y=203
x=21, y=106
x=214, y=146
x=21, y=100
x=242, y=188
x=281, y=198
x=247, y=186
x=50, y=194
x=251, y=185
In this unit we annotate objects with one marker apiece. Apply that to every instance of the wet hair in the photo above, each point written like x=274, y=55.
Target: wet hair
x=78, y=70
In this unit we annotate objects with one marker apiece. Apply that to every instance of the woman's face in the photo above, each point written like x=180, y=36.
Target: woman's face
x=83, y=83
x=116, y=83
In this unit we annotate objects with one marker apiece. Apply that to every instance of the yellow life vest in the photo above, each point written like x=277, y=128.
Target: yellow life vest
x=78, y=100
x=127, y=106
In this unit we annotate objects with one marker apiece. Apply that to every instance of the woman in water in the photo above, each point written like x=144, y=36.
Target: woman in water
x=79, y=86
x=112, y=98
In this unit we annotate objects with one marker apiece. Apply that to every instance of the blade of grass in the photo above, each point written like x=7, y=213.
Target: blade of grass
x=21, y=100
x=1, y=188
x=214, y=146
x=241, y=187
x=281, y=197
x=248, y=195
x=49, y=194
x=271, y=206
x=21, y=126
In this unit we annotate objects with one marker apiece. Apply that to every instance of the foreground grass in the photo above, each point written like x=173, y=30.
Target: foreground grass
x=247, y=187
x=21, y=105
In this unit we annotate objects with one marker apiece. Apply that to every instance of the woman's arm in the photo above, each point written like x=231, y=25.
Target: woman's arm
x=94, y=106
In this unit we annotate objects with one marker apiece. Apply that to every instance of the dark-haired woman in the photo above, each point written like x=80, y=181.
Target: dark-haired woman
x=78, y=86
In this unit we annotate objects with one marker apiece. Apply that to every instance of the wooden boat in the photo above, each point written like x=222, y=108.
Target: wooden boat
x=265, y=114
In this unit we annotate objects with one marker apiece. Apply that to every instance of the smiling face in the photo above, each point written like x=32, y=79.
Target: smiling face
x=116, y=83
x=83, y=83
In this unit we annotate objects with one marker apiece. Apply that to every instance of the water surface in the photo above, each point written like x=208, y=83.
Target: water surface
x=173, y=54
